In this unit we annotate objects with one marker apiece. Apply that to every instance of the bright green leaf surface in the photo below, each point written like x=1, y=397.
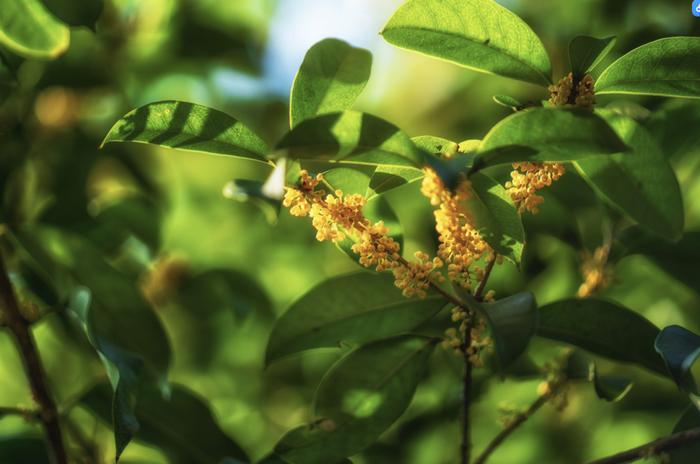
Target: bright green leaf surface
x=477, y=34
x=356, y=307
x=188, y=126
x=30, y=30
x=668, y=67
x=330, y=79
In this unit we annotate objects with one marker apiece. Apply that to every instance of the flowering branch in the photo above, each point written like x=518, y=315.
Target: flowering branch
x=653, y=448
x=20, y=330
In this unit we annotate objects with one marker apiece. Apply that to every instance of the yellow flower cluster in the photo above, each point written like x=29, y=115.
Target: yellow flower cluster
x=596, y=273
x=477, y=342
x=581, y=94
x=527, y=178
x=461, y=245
x=337, y=216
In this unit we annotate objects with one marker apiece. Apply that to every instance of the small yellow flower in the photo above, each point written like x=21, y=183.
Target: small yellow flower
x=595, y=271
x=527, y=178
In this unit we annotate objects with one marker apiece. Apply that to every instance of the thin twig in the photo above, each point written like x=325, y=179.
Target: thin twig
x=34, y=370
x=653, y=448
x=24, y=412
x=466, y=445
x=479, y=293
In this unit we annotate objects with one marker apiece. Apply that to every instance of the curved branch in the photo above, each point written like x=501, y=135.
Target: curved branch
x=652, y=448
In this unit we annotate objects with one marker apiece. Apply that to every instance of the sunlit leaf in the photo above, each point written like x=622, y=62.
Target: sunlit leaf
x=667, y=67
x=30, y=30
x=477, y=34
x=585, y=53
x=330, y=78
x=356, y=307
x=188, y=126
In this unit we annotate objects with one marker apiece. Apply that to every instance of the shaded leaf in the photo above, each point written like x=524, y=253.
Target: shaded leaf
x=674, y=128
x=76, y=12
x=604, y=328
x=188, y=126
x=513, y=322
x=507, y=101
x=548, y=135
x=356, y=307
x=23, y=450
x=687, y=454
x=640, y=183
x=667, y=67
x=330, y=79
x=679, y=348
x=477, y=34
x=610, y=388
x=28, y=29
x=585, y=53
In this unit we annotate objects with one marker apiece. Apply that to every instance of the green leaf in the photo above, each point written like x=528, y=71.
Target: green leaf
x=640, y=183
x=179, y=423
x=547, y=135
x=477, y=34
x=330, y=79
x=23, y=450
x=76, y=12
x=667, y=67
x=507, y=101
x=188, y=126
x=353, y=137
x=28, y=29
x=604, y=328
x=358, y=307
x=585, y=53
x=438, y=146
x=609, y=387
x=358, y=399
x=513, y=322
x=687, y=454
x=674, y=128
x=496, y=217
x=680, y=348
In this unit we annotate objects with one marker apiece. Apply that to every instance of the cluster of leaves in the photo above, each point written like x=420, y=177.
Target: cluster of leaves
x=619, y=156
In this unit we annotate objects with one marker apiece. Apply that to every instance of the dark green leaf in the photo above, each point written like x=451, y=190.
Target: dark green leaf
x=687, y=454
x=30, y=30
x=495, y=217
x=513, y=322
x=477, y=34
x=356, y=307
x=548, y=135
x=680, y=348
x=640, y=183
x=604, y=328
x=76, y=12
x=585, y=53
x=610, y=388
x=675, y=128
x=330, y=79
x=188, y=126
x=178, y=423
x=667, y=67
x=358, y=399
x=23, y=450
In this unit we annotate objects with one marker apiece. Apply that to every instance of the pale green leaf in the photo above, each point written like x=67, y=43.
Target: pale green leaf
x=28, y=29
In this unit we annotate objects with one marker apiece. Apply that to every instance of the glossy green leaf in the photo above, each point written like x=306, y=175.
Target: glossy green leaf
x=496, y=217
x=356, y=307
x=640, y=183
x=680, y=348
x=585, y=53
x=548, y=135
x=28, y=29
x=513, y=322
x=604, y=328
x=687, y=454
x=350, y=136
x=358, y=399
x=179, y=423
x=667, y=67
x=330, y=79
x=188, y=126
x=477, y=34
x=76, y=12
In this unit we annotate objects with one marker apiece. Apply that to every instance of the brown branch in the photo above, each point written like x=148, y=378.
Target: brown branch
x=466, y=445
x=652, y=448
x=34, y=370
x=479, y=293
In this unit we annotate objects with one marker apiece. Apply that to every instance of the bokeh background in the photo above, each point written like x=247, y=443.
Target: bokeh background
x=219, y=272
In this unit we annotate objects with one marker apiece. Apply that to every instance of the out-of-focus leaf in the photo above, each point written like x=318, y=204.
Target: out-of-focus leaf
x=23, y=450
x=674, y=127
x=640, y=183
x=436, y=145
x=178, y=423
x=548, y=135
x=585, y=53
x=188, y=126
x=513, y=322
x=604, y=328
x=496, y=217
x=477, y=34
x=135, y=216
x=610, y=388
x=358, y=399
x=358, y=307
x=680, y=348
x=687, y=454
x=30, y=30
x=76, y=12
x=330, y=79
x=353, y=137
x=667, y=67
x=507, y=101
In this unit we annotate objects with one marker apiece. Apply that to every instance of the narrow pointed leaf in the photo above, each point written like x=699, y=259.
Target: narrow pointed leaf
x=585, y=53
x=28, y=29
x=477, y=34
x=609, y=387
x=330, y=79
